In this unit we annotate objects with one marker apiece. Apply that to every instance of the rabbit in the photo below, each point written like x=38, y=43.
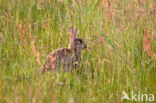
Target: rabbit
x=66, y=58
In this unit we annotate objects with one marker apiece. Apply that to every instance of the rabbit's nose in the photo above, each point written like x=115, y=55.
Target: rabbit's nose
x=85, y=46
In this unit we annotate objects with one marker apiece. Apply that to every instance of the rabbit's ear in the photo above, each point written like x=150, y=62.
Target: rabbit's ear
x=72, y=32
x=72, y=36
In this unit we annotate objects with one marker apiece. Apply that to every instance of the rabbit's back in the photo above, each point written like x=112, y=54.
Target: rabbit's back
x=61, y=58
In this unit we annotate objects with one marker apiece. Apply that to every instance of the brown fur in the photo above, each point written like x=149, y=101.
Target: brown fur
x=56, y=58
x=66, y=58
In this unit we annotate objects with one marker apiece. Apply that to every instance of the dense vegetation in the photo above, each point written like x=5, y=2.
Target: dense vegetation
x=117, y=58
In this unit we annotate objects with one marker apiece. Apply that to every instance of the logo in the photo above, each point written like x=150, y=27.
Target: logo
x=137, y=97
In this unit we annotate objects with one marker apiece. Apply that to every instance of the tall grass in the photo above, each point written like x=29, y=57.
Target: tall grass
x=115, y=60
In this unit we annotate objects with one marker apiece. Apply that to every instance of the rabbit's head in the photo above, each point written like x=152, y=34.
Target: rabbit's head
x=79, y=44
x=76, y=43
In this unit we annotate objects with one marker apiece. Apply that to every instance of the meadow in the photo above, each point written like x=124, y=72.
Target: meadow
x=121, y=39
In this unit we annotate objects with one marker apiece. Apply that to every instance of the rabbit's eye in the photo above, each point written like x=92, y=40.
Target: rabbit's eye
x=80, y=40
